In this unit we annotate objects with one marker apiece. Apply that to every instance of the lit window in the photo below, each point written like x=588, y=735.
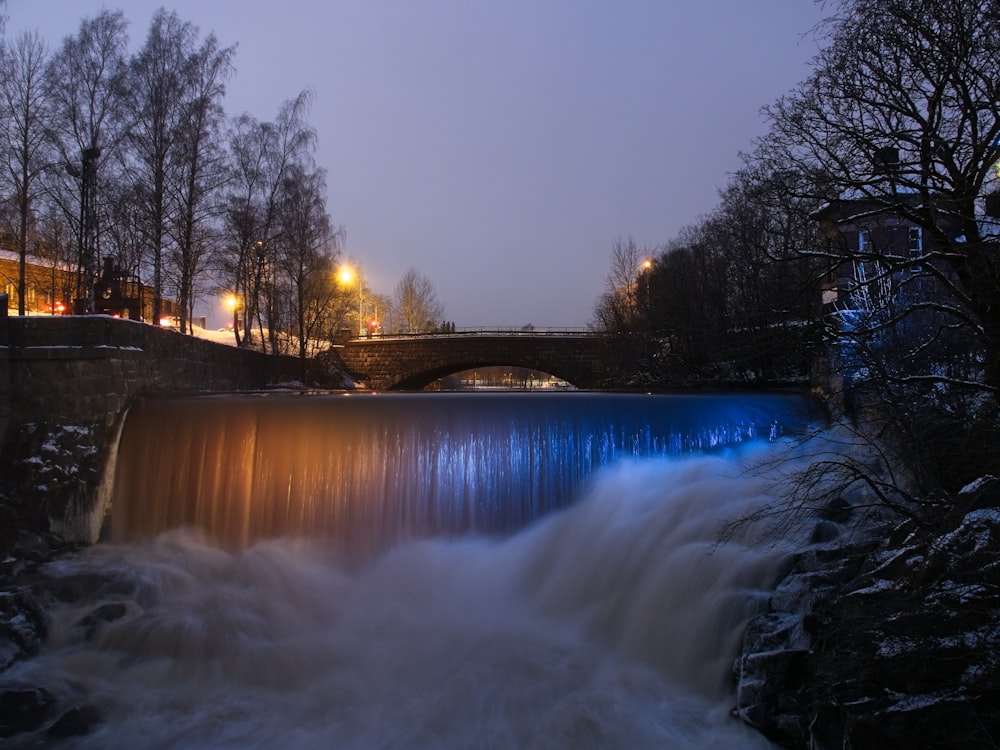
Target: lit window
x=864, y=241
x=916, y=247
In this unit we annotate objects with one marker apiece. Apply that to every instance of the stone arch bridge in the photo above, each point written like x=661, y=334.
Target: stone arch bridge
x=411, y=362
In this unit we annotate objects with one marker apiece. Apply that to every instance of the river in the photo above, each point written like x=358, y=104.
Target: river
x=423, y=571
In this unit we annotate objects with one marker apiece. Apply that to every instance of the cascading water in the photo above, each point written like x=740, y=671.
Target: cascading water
x=377, y=468
x=534, y=572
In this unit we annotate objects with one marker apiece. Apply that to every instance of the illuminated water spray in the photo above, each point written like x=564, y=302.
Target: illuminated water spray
x=391, y=466
x=475, y=614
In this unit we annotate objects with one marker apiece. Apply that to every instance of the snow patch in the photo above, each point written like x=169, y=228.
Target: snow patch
x=977, y=484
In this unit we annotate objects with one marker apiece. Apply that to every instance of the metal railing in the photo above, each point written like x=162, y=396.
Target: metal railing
x=473, y=332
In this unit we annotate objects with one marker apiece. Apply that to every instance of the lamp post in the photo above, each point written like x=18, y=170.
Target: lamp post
x=233, y=303
x=346, y=275
x=87, y=175
x=642, y=290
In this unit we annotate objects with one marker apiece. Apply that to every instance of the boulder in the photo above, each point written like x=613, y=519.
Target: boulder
x=882, y=646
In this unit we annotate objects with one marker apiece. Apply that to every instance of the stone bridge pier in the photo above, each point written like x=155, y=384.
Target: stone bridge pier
x=413, y=362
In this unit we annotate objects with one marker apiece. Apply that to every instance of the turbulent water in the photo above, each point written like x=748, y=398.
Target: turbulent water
x=609, y=622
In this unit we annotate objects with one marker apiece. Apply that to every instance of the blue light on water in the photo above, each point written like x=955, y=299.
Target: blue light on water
x=407, y=464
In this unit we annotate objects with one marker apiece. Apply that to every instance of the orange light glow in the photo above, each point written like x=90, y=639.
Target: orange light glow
x=345, y=275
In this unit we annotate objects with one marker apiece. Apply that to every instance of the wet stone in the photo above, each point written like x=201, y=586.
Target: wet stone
x=23, y=710
x=23, y=625
x=76, y=722
x=104, y=614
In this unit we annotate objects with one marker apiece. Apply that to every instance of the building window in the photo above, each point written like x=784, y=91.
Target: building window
x=864, y=241
x=916, y=247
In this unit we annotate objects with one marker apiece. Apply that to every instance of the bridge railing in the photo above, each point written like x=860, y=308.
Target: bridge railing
x=484, y=331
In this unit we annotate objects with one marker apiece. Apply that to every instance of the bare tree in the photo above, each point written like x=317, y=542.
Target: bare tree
x=684, y=304
x=24, y=126
x=901, y=112
x=55, y=245
x=898, y=126
x=618, y=307
x=159, y=87
x=309, y=255
x=619, y=312
x=769, y=285
x=261, y=156
x=415, y=303
x=85, y=90
x=198, y=170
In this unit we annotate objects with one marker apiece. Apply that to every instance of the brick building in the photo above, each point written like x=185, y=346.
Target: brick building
x=885, y=254
x=51, y=288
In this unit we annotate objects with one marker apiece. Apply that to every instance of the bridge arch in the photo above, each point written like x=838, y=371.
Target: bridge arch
x=414, y=362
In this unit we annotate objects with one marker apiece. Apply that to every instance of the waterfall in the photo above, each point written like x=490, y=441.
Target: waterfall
x=540, y=572
x=383, y=467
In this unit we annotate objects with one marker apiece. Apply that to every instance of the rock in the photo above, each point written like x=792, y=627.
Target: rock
x=24, y=623
x=890, y=646
x=32, y=547
x=103, y=614
x=23, y=710
x=76, y=722
x=837, y=510
x=9, y=531
x=824, y=532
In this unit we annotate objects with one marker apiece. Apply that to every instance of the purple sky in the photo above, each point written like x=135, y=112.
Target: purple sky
x=500, y=147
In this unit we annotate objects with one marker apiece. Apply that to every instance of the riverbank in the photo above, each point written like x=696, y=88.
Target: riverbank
x=890, y=640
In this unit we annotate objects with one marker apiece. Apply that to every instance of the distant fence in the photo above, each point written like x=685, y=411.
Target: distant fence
x=486, y=331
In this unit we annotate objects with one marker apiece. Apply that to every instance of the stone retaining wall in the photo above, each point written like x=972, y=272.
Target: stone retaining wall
x=66, y=384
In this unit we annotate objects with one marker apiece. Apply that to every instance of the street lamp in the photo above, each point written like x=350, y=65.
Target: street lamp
x=87, y=175
x=642, y=282
x=346, y=276
x=233, y=303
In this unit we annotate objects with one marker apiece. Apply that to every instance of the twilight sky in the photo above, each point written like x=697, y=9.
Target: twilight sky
x=501, y=146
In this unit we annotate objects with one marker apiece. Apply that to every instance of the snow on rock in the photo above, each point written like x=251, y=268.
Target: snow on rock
x=892, y=641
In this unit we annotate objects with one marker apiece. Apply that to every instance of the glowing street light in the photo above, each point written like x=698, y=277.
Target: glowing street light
x=642, y=282
x=346, y=276
x=233, y=303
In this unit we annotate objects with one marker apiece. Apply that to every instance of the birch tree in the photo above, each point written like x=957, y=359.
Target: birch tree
x=415, y=303
x=198, y=170
x=85, y=92
x=24, y=125
x=158, y=87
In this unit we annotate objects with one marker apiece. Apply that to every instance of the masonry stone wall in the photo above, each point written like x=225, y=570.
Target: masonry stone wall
x=384, y=364
x=5, y=396
x=66, y=384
